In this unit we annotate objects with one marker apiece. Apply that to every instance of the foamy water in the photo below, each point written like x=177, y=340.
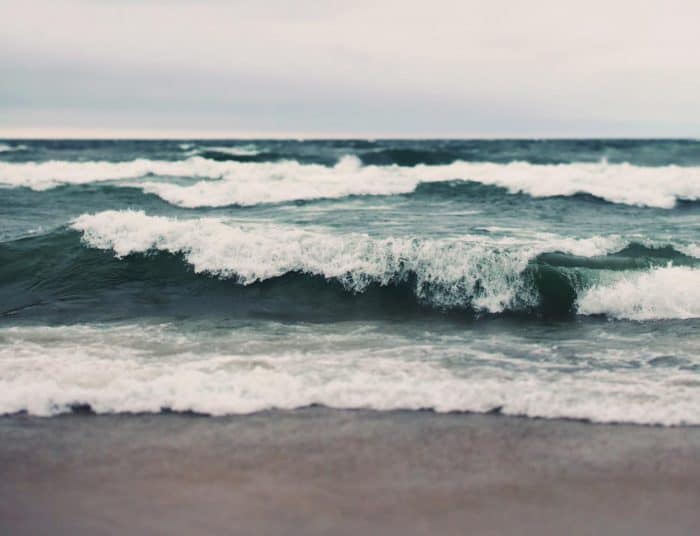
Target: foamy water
x=46, y=370
x=248, y=183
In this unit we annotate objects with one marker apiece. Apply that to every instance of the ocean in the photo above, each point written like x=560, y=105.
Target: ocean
x=537, y=278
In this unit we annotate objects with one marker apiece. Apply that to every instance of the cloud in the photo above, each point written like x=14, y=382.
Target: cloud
x=412, y=68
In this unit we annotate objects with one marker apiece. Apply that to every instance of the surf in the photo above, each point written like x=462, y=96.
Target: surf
x=283, y=270
x=218, y=183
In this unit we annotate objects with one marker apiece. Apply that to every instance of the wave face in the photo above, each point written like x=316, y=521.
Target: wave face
x=664, y=293
x=250, y=183
x=468, y=273
x=554, y=279
x=285, y=268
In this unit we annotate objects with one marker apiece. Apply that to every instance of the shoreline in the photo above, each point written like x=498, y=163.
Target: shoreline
x=321, y=471
x=86, y=410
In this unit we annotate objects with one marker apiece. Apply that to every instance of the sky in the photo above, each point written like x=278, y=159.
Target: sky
x=356, y=68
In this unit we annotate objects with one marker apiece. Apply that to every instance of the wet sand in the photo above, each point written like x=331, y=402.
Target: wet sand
x=321, y=471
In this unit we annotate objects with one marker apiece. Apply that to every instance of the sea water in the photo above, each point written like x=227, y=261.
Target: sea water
x=542, y=278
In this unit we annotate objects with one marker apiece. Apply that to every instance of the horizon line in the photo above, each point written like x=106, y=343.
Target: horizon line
x=145, y=135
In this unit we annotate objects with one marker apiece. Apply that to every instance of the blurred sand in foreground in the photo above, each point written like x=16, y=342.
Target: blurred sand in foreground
x=321, y=471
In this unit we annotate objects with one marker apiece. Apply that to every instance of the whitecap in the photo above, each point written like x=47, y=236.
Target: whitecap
x=252, y=183
x=455, y=272
x=671, y=292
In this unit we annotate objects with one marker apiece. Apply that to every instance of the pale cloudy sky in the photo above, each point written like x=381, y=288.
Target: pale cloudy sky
x=355, y=68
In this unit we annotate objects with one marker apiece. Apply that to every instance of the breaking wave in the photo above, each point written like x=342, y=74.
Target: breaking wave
x=221, y=182
x=50, y=370
x=288, y=270
x=671, y=292
x=5, y=148
x=468, y=273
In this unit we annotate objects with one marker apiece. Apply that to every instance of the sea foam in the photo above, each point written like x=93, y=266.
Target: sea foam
x=468, y=271
x=664, y=293
x=5, y=148
x=251, y=183
x=236, y=150
x=45, y=371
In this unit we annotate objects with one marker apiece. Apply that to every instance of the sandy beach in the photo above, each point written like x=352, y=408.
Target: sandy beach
x=321, y=471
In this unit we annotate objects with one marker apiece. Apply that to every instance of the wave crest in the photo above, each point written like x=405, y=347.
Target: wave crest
x=223, y=265
x=446, y=273
x=251, y=183
x=671, y=292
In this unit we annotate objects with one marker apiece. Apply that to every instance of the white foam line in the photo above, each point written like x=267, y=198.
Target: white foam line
x=251, y=183
x=663, y=293
x=123, y=369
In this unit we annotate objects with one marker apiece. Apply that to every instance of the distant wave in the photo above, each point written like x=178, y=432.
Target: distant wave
x=236, y=153
x=222, y=183
x=237, y=150
x=403, y=156
x=5, y=148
